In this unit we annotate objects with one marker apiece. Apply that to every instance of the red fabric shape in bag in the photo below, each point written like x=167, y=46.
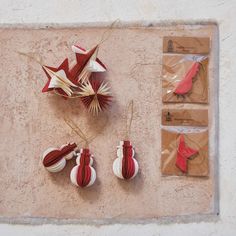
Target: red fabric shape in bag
x=84, y=170
x=183, y=154
x=185, y=85
x=128, y=166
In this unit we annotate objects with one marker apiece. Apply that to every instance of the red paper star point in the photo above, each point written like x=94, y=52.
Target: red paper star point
x=59, y=79
x=87, y=62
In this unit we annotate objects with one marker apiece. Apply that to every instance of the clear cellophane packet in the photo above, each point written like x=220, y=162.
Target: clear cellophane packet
x=185, y=70
x=175, y=69
x=184, y=142
x=196, y=140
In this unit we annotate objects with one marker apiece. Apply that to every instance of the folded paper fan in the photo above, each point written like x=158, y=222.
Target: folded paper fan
x=183, y=154
x=54, y=159
x=125, y=166
x=95, y=94
x=83, y=174
x=87, y=62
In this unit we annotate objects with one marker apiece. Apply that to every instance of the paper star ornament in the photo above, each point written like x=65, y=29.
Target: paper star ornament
x=76, y=81
x=87, y=62
x=59, y=79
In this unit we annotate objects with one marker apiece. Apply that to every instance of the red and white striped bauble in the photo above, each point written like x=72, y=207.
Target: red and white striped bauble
x=83, y=174
x=54, y=159
x=125, y=165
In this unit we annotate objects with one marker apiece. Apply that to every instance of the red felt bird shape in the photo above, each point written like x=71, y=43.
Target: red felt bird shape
x=183, y=154
x=185, y=85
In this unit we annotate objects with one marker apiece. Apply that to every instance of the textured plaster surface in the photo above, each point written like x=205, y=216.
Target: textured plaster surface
x=79, y=12
x=36, y=121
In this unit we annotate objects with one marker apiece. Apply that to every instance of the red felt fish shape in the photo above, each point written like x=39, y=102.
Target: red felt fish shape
x=183, y=154
x=185, y=85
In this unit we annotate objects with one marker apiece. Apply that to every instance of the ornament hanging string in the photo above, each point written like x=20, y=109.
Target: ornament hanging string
x=81, y=134
x=103, y=39
x=31, y=56
x=130, y=111
x=108, y=32
x=65, y=96
x=77, y=130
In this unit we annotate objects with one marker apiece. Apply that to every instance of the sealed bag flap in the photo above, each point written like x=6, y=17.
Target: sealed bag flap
x=185, y=117
x=186, y=45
